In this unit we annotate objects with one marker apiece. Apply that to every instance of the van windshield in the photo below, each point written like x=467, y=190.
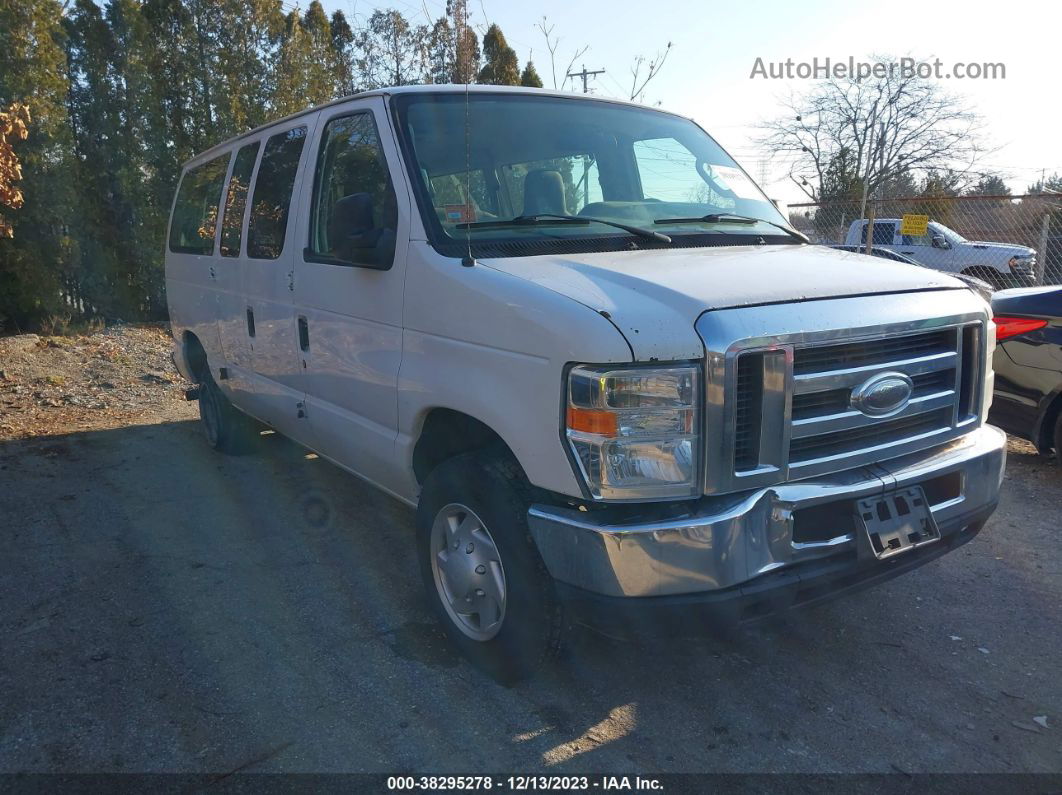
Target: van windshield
x=481, y=160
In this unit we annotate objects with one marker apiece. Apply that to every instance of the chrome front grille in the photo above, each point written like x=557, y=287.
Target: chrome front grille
x=880, y=434
x=825, y=424
x=824, y=358
x=747, y=411
x=781, y=398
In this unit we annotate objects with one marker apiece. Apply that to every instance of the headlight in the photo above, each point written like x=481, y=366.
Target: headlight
x=1022, y=262
x=635, y=432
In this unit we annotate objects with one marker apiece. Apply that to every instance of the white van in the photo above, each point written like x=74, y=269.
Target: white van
x=619, y=389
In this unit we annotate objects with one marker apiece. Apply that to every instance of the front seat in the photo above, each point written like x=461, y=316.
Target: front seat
x=544, y=192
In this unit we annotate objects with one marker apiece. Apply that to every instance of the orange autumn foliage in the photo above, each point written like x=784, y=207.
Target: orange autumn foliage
x=14, y=126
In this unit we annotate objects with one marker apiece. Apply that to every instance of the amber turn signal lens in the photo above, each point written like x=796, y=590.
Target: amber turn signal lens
x=596, y=421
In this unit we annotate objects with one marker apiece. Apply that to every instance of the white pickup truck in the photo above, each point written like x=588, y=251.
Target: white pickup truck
x=619, y=389
x=943, y=249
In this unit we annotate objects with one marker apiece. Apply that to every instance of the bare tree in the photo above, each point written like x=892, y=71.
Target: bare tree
x=652, y=68
x=552, y=44
x=843, y=132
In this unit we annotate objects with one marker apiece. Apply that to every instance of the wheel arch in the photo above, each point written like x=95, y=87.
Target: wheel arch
x=445, y=433
x=195, y=356
x=1045, y=430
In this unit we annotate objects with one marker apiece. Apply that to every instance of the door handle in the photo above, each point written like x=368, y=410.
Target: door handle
x=304, y=334
x=250, y=322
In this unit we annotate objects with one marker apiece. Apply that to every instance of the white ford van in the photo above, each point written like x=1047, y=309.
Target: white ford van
x=619, y=389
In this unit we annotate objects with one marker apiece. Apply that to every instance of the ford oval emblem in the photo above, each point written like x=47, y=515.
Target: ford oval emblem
x=883, y=394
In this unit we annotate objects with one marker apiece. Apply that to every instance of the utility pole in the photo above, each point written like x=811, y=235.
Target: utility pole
x=584, y=75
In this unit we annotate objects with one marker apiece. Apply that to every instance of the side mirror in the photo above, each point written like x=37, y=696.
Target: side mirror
x=939, y=241
x=354, y=237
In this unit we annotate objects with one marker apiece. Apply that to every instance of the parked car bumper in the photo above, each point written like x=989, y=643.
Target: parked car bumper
x=742, y=557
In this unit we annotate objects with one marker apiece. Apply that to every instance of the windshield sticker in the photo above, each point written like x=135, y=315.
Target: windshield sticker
x=734, y=179
x=460, y=213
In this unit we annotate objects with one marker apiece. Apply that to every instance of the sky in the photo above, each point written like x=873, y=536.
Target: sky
x=715, y=46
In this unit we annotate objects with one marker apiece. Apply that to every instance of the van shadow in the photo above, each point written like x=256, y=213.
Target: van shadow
x=171, y=609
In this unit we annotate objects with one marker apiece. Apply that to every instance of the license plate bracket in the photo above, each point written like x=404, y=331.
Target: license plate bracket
x=896, y=522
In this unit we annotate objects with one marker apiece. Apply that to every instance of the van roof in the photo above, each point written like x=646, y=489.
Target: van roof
x=416, y=89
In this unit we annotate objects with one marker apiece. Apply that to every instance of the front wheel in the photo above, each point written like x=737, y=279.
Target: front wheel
x=483, y=575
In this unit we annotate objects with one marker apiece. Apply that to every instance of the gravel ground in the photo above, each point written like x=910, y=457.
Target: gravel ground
x=106, y=379
x=169, y=609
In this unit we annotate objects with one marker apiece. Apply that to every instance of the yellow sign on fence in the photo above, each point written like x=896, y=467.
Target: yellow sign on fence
x=914, y=225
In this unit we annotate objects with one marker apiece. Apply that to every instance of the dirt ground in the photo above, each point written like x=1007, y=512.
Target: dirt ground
x=106, y=379
x=165, y=608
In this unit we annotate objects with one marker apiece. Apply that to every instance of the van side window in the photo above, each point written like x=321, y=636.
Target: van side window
x=236, y=200
x=195, y=215
x=272, y=194
x=355, y=212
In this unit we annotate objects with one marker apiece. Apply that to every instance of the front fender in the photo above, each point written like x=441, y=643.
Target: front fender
x=494, y=346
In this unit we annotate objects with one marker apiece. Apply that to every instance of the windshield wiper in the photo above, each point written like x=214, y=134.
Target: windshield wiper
x=579, y=220
x=731, y=218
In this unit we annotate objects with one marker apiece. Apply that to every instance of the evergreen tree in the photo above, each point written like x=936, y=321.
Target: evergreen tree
x=501, y=67
x=247, y=53
x=989, y=185
x=37, y=265
x=465, y=43
x=439, y=52
x=306, y=63
x=343, y=54
x=529, y=77
x=321, y=83
x=204, y=20
x=1052, y=184
x=289, y=94
x=101, y=222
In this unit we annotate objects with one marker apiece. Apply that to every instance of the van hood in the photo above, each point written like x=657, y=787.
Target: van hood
x=654, y=296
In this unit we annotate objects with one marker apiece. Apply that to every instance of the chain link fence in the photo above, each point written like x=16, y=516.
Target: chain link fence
x=1006, y=240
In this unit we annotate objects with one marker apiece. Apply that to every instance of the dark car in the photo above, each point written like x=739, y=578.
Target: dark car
x=883, y=253
x=979, y=286
x=1028, y=365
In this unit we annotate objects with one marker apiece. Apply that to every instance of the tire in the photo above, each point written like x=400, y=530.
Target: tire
x=227, y=429
x=1058, y=439
x=475, y=505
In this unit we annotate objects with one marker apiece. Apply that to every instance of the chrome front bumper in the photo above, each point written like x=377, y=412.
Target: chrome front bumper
x=729, y=540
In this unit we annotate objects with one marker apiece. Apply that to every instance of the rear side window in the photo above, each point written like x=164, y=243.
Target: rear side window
x=236, y=200
x=195, y=215
x=272, y=194
x=355, y=215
